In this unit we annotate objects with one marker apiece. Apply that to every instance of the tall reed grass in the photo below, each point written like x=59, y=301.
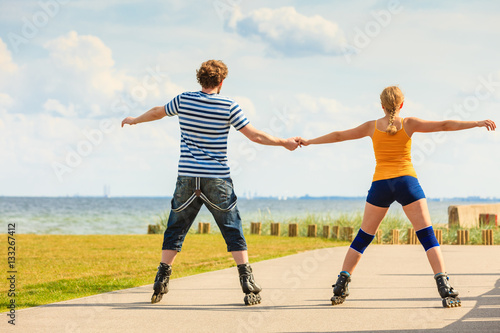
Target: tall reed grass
x=390, y=222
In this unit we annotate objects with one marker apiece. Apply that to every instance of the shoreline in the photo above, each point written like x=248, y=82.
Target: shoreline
x=86, y=216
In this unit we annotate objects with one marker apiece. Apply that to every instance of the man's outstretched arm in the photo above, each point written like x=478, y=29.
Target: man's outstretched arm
x=155, y=113
x=263, y=138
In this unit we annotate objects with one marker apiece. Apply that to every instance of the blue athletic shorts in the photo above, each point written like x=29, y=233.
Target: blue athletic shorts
x=405, y=190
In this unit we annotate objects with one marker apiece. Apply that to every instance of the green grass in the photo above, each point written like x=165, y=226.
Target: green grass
x=52, y=268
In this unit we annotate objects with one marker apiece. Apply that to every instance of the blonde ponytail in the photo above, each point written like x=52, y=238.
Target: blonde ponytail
x=391, y=128
x=391, y=99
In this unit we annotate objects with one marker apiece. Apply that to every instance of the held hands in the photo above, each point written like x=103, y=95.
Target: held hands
x=292, y=143
x=489, y=124
x=303, y=142
x=129, y=121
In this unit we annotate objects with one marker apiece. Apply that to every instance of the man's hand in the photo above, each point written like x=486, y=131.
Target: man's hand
x=129, y=121
x=291, y=144
x=489, y=124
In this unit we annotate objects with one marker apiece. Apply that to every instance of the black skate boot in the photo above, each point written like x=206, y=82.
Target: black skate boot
x=341, y=288
x=250, y=288
x=161, y=282
x=447, y=293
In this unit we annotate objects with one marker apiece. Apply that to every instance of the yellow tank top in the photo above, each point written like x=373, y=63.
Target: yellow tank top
x=393, y=154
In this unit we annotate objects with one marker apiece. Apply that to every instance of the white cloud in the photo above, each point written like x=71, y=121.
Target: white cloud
x=246, y=105
x=27, y=141
x=5, y=101
x=6, y=63
x=56, y=106
x=321, y=115
x=80, y=52
x=84, y=63
x=318, y=104
x=8, y=69
x=290, y=33
x=80, y=79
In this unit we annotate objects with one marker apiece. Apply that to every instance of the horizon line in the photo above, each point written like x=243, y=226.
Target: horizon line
x=270, y=197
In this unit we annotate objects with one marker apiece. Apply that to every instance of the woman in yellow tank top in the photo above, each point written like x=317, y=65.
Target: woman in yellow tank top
x=395, y=180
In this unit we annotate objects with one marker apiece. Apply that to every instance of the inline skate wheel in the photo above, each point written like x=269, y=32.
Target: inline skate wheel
x=336, y=300
x=451, y=302
x=156, y=298
x=252, y=299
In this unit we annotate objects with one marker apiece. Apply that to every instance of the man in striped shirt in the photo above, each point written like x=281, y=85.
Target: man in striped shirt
x=203, y=174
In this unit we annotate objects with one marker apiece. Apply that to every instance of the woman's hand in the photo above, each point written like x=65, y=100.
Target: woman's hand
x=489, y=124
x=302, y=142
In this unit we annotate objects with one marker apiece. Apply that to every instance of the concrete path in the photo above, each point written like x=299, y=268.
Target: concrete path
x=392, y=290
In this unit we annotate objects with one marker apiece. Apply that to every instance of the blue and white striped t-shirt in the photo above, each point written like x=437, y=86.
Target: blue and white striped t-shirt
x=205, y=120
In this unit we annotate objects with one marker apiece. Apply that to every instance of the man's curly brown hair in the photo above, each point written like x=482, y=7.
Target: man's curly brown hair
x=211, y=73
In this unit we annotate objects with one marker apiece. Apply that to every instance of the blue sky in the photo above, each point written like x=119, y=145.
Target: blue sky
x=71, y=70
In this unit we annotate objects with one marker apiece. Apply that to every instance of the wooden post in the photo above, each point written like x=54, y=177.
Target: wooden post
x=153, y=229
x=487, y=236
x=293, y=230
x=439, y=236
x=258, y=228
x=350, y=235
x=462, y=237
x=395, y=236
x=378, y=237
x=275, y=229
x=255, y=228
x=200, y=227
x=335, y=231
x=312, y=230
x=326, y=231
x=412, y=236
x=206, y=228
x=488, y=219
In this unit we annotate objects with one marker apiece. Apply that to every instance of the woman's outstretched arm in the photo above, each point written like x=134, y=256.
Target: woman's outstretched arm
x=359, y=132
x=413, y=125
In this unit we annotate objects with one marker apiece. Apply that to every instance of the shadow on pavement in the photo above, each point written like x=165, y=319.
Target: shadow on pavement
x=484, y=317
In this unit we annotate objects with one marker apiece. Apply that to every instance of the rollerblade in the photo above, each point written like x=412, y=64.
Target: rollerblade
x=250, y=288
x=447, y=293
x=341, y=288
x=161, y=282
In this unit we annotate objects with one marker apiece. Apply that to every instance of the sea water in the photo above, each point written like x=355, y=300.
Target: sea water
x=99, y=215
